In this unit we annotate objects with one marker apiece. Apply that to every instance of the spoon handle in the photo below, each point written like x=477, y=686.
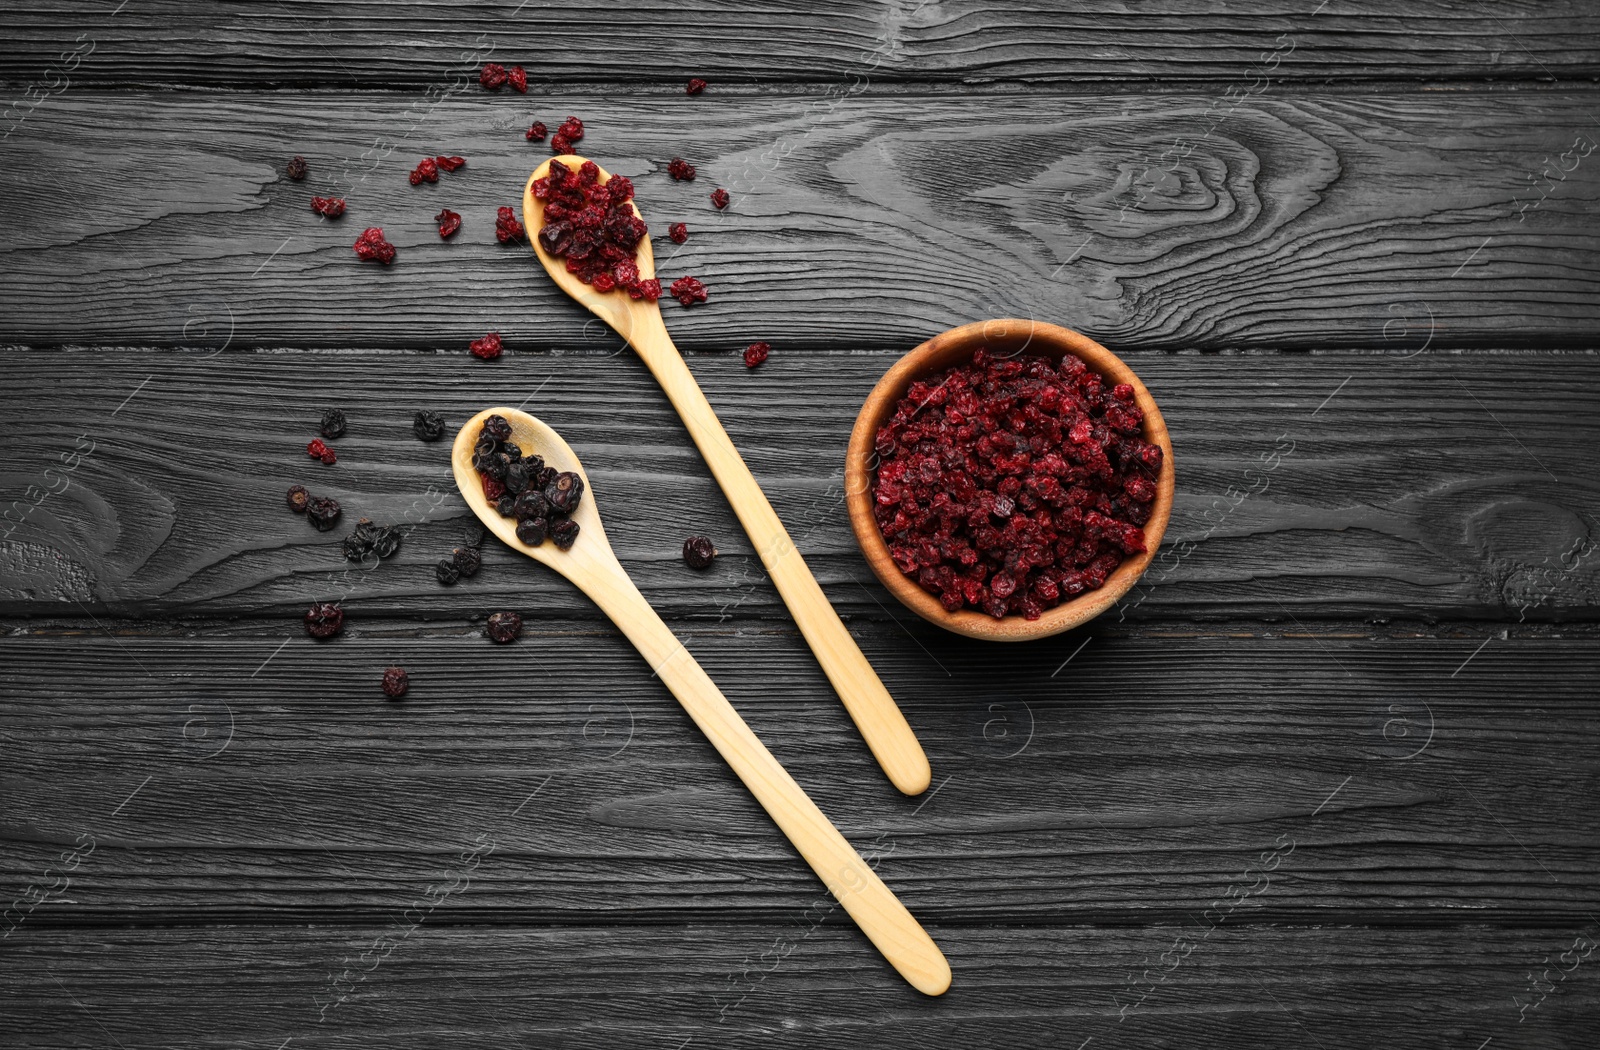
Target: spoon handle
x=876, y=716
x=850, y=879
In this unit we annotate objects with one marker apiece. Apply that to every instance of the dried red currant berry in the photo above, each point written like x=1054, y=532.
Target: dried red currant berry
x=493, y=488
x=446, y=572
x=488, y=348
x=680, y=169
x=333, y=423
x=329, y=457
x=299, y=498
x=316, y=448
x=560, y=144
x=468, y=560
x=647, y=288
x=395, y=682
x=603, y=282
x=564, y=533
x=565, y=492
x=503, y=627
x=572, y=128
x=719, y=197
x=450, y=163
x=756, y=353
x=328, y=207
x=536, y=131
x=492, y=76
x=323, y=512
x=324, y=620
x=296, y=169
x=428, y=426
x=696, y=85
x=449, y=223
x=517, y=77
x=507, y=229
x=679, y=232
x=698, y=551
x=415, y=177
x=371, y=247
x=532, y=531
x=688, y=291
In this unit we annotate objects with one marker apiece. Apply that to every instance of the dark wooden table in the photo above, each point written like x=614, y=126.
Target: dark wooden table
x=1330, y=778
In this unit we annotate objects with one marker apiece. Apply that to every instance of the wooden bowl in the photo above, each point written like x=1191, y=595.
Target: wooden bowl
x=956, y=347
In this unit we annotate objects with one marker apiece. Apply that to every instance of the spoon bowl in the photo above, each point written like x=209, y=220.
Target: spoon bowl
x=591, y=565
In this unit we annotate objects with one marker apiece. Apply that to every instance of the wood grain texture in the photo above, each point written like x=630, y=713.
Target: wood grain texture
x=1173, y=221
x=793, y=984
x=1334, y=484
x=1119, y=777
x=380, y=46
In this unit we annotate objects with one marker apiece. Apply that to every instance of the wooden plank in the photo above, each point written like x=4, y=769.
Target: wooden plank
x=852, y=44
x=1122, y=777
x=1297, y=220
x=1331, y=485
x=795, y=984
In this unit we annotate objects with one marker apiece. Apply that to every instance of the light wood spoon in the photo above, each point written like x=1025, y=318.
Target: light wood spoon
x=639, y=322
x=594, y=569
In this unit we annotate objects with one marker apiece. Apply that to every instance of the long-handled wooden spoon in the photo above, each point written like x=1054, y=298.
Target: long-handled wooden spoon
x=639, y=322
x=594, y=569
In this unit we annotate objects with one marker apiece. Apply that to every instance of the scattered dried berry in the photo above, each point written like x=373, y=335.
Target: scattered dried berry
x=571, y=129
x=698, y=551
x=517, y=77
x=299, y=498
x=380, y=540
x=492, y=76
x=446, y=572
x=695, y=86
x=560, y=144
x=532, y=531
x=680, y=169
x=333, y=423
x=425, y=171
x=297, y=168
x=1013, y=484
x=507, y=229
x=679, y=232
x=395, y=682
x=564, y=533
x=503, y=627
x=475, y=535
x=719, y=197
x=536, y=131
x=328, y=207
x=468, y=560
x=323, y=512
x=688, y=291
x=428, y=426
x=450, y=163
x=449, y=222
x=371, y=246
x=756, y=353
x=488, y=348
x=317, y=449
x=324, y=620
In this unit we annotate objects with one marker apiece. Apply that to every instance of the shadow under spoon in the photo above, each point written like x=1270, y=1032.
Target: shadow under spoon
x=593, y=568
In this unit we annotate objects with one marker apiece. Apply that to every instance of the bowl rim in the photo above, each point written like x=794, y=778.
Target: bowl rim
x=954, y=346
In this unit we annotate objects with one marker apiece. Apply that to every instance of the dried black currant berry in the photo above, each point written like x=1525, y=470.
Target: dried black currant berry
x=323, y=512
x=565, y=533
x=365, y=532
x=324, y=620
x=447, y=572
x=428, y=426
x=387, y=541
x=565, y=492
x=493, y=465
x=698, y=552
x=299, y=498
x=468, y=560
x=355, y=548
x=546, y=476
x=534, y=464
x=516, y=478
x=333, y=423
x=512, y=451
x=506, y=506
x=497, y=428
x=531, y=504
x=503, y=627
x=395, y=682
x=486, y=446
x=532, y=531
x=475, y=536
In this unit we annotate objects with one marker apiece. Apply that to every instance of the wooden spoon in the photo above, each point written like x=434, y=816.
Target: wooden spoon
x=639, y=322
x=594, y=569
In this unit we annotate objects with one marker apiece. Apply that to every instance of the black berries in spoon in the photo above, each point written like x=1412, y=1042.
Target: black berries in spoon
x=333, y=423
x=497, y=428
x=503, y=627
x=698, y=552
x=324, y=620
x=532, y=531
x=565, y=533
x=428, y=426
x=564, y=492
x=323, y=512
x=541, y=498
